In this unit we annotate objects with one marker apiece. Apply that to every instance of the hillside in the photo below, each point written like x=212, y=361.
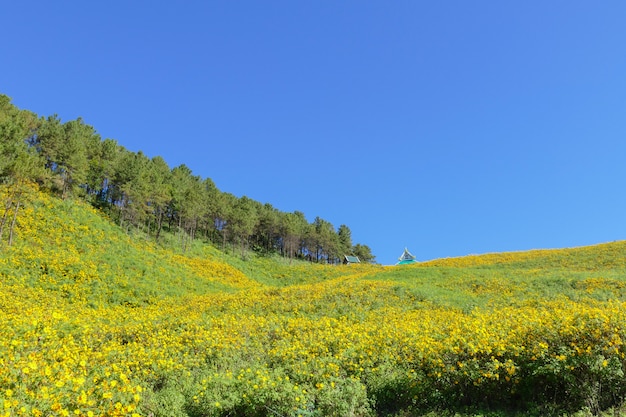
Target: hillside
x=70, y=160
x=97, y=322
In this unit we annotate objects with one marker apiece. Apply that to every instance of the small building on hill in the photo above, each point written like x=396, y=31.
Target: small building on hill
x=406, y=258
x=347, y=260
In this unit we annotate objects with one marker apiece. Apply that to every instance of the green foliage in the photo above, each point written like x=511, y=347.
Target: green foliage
x=202, y=332
x=364, y=253
x=100, y=318
x=67, y=247
x=71, y=160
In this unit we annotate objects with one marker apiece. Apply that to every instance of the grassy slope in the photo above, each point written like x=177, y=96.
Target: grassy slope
x=597, y=272
x=67, y=254
x=69, y=248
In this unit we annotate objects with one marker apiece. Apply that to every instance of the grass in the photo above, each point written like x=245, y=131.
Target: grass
x=97, y=321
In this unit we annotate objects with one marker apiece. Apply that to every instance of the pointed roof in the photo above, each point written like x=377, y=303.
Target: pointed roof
x=406, y=258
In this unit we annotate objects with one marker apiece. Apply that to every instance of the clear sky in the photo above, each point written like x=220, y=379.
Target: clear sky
x=448, y=127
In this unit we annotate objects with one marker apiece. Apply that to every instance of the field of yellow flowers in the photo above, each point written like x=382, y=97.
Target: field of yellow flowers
x=96, y=323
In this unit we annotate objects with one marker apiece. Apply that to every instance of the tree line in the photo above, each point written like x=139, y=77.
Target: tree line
x=71, y=160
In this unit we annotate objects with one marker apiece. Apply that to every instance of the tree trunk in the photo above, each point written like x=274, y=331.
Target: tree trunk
x=121, y=212
x=243, y=248
x=7, y=208
x=159, y=225
x=66, y=185
x=17, y=207
x=182, y=234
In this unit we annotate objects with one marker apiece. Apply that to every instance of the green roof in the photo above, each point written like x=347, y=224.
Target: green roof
x=352, y=259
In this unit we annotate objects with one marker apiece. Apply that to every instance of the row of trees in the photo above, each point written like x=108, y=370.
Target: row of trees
x=144, y=193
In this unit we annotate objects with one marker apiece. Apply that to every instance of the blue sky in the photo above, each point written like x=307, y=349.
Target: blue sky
x=450, y=127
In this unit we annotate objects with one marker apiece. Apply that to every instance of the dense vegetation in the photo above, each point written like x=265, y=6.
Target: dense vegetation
x=71, y=160
x=123, y=292
x=98, y=322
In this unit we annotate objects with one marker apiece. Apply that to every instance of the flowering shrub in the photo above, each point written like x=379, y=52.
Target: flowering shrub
x=93, y=323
